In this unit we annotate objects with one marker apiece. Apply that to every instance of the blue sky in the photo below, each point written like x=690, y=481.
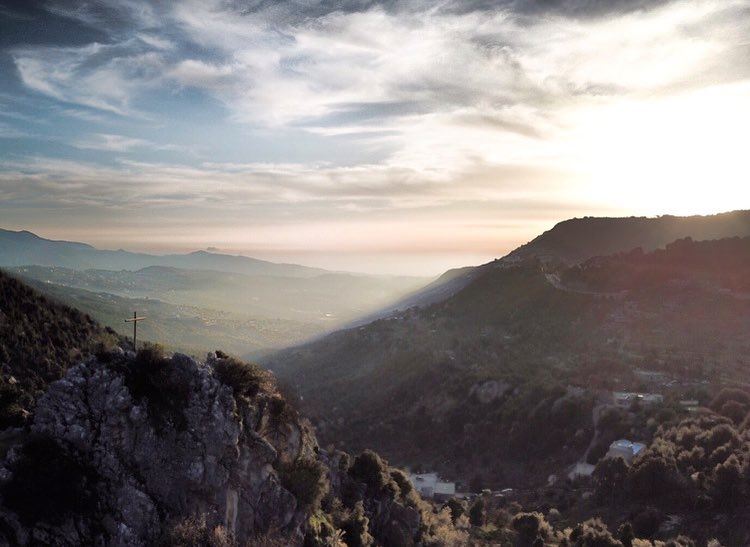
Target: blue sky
x=382, y=136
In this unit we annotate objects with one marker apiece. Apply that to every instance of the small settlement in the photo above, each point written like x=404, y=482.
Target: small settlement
x=429, y=485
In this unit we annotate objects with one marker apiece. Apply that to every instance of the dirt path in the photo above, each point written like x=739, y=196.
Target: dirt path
x=554, y=280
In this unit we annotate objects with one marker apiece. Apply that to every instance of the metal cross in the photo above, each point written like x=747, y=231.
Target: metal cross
x=135, y=320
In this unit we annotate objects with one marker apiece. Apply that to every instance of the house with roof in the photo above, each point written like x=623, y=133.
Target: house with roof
x=429, y=485
x=691, y=405
x=581, y=469
x=625, y=399
x=625, y=449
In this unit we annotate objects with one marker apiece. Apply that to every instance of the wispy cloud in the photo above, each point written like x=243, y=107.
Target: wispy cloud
x=518, y=102
x=115, y=143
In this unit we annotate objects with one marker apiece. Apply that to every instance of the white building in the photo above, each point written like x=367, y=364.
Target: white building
x=581, y=469
x=625, y=399
x=691, y=405
x=627, y=450
x=429, y=485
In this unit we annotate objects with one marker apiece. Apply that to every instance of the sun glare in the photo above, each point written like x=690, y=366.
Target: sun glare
x=684, y=155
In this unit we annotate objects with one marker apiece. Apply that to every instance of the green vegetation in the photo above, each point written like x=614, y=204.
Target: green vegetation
x=499, y=382
x=702, y=462
x=306, y=479
x=157, y=379
x=39, y=340
x=245, y=379
x=186, y=328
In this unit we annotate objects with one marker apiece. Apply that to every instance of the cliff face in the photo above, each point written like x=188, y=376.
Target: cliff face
x=145, y=443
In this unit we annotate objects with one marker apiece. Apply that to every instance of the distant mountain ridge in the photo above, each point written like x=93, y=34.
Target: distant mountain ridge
x=26, y=248
x=406, y=384
x=579, y=239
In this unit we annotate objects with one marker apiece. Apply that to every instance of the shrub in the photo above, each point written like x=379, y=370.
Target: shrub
x=245, y=379
x=625, y=534
x=371, y=470
x=153, y=378
x=322, y=533
x=457, y=509
x=49, y=483
x=728, y=483
x=406, y=489
x=194, y=532
x=530, y=527
x=355, y=528
x=680, y=541
x=306, y=479
x=646, y=523
x=476, y=513
x=439, y=531
x=593, y=533
x=12, y=405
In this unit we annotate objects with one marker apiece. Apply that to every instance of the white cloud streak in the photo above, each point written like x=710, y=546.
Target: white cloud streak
x=484, y=106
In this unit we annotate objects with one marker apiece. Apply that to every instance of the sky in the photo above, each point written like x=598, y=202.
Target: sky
x=391, y=137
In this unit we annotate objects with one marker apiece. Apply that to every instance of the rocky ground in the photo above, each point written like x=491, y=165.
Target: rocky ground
x=125, y=450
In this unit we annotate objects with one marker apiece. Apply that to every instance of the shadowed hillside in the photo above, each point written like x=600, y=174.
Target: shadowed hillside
x=498, y=366
x=579, y=239
x=39, y=340
x=576, y=240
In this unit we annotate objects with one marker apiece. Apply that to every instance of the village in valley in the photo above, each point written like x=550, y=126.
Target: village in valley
x=661, y=389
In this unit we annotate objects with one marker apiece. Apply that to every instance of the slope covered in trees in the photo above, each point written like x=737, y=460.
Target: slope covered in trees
x=39, y=340
x=144, y=449
x=501, y=379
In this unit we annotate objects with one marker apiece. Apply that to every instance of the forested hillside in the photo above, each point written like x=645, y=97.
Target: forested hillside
x=147, y=448
x=500, y=380
x=576, y=240
x=39, y=340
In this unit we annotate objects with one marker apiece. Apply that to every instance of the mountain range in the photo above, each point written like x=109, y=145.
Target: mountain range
x=471, y=383
x=20, y=248
x=575, y=240
x=198, y=298
x=498, y=376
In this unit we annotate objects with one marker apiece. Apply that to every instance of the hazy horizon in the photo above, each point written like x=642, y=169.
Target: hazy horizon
x=386, y=137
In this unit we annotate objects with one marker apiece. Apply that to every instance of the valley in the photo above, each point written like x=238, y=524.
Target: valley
x=513, y=381
x=200, y=299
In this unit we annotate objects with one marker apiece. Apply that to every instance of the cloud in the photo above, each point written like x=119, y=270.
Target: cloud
x=114, y=143
x=281, y=63
x=227, y=186
x=392, y=108
x=100, y=76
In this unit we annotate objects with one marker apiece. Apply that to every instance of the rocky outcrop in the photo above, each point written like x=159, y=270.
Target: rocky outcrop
x=147, y=442
x=215, y=459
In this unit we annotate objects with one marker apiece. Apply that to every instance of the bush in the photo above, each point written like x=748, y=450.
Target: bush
x=593, y=533
x=306, y=479
x=13, y=404
x=476, y=513
x=647, y=522
x=245, y=379
x=530, y=527
x=457, y=509
x=49, y=484
x=153, y=378
x=371, y=470
x=194, y=532
x=355, y=528
x=404, y=486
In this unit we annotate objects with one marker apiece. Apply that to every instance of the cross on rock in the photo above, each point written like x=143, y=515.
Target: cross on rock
x=135, y=320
